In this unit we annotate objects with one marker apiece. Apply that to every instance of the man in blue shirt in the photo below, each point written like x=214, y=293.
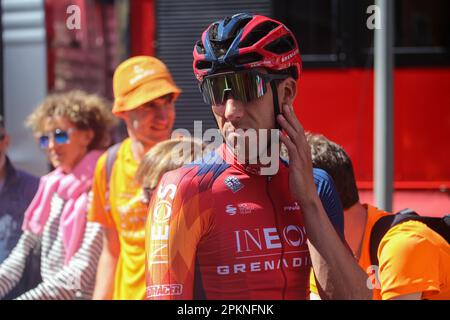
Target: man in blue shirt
x=17, y=189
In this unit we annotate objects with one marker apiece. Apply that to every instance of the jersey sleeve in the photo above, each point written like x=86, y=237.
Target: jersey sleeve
x=330, y=199
x=333, y=207
x=408, y=263
x=174, y=228
x=97, y=197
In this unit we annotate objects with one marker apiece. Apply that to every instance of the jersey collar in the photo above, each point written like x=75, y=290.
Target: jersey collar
x=251, y=169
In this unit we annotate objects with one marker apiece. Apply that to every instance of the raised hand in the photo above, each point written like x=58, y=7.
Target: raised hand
x=301, y=181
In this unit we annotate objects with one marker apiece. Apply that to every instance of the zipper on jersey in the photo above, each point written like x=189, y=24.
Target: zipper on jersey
x=269, y=179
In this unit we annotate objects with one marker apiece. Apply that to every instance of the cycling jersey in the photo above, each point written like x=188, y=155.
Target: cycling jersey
x=222, y=231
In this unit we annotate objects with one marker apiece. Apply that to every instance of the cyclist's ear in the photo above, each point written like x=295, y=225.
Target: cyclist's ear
x=287, y=91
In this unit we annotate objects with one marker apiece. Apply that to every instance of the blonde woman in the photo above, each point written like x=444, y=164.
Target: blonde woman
x=73, y=129
x=166, y=156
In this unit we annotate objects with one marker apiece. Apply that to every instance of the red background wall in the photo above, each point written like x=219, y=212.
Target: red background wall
x=339, y=104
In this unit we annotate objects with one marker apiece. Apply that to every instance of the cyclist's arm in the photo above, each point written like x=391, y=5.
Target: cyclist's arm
x=337, y=271
x=338, y=275
x=173, y=230
x=333, y=208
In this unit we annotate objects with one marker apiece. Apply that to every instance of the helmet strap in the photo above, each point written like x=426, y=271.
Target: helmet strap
x=276, y=104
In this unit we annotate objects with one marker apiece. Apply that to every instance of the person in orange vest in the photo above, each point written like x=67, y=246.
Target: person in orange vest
x=414, y=260
x=145, y=96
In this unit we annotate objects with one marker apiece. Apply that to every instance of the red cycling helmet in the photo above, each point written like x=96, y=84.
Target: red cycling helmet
x=246, y=41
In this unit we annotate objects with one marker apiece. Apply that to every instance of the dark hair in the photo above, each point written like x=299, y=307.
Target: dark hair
x=332, y=158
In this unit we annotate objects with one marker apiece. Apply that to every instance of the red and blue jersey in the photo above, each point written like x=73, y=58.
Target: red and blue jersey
x=219, y=230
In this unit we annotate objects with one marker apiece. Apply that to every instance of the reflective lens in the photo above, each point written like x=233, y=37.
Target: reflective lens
x=59, y=136
x=244, y=86
x=43, y=141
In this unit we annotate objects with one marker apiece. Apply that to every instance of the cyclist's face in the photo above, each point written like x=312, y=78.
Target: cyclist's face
x=253, y=116
x=249, y=117
x=68, y=154
x=151, y=122
x=234, y=114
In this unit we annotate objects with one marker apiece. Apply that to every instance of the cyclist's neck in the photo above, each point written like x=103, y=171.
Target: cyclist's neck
x=255, y=167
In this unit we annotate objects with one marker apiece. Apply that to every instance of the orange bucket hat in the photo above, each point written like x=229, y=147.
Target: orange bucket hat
x=139, y=80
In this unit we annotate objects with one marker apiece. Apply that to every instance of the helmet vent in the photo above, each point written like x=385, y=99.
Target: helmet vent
x=259, y=32
x=212, y=32
x=200, y=48
x=226, y=20
x=202, y=65
x=281, y=45
x=247, y=58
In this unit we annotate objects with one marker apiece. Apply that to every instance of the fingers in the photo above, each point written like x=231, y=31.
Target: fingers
x=290, y=124
x=286, y=126
x=290, y=116
x=288, y=143
x=295, y=141
x=291, y=148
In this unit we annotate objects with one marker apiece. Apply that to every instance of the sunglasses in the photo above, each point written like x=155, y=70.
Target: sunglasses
x=244, y=86
x=59, y=137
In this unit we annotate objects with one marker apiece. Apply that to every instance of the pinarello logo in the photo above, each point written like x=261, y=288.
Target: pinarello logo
x=293, y=207
x=164, y=290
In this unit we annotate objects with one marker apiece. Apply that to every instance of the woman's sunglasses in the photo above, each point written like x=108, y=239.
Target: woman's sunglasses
x=59, y=137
